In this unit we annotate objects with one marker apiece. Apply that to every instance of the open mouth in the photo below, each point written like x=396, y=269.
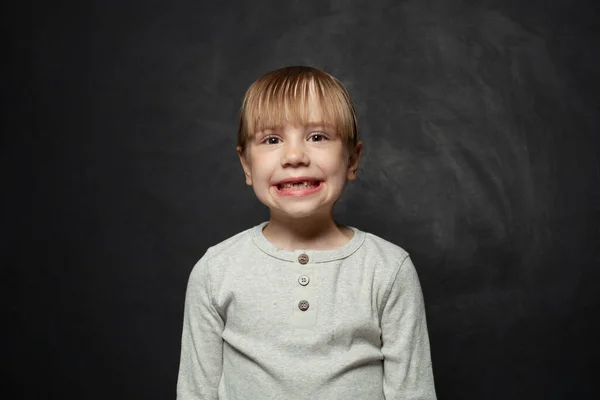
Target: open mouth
x=298, y=185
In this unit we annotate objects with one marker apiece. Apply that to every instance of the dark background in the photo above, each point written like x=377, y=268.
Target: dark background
x=118, y=170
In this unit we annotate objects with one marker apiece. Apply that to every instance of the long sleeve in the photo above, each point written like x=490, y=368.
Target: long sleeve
x=201, y=360
x=407, y=370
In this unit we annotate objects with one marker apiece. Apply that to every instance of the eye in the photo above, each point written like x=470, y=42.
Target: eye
x=271, y=140
x=317, y=137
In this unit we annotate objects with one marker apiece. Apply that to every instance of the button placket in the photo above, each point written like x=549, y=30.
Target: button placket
x=304, y=315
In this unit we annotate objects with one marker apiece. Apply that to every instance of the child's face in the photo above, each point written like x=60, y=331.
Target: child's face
x=313, y=155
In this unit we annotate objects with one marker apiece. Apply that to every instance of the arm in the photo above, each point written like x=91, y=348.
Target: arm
x=201, y=343
x=407, y=371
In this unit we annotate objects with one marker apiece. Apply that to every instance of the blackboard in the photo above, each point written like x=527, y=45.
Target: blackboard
x=480, y=126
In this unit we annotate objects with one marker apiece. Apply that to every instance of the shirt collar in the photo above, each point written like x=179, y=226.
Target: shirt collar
x=314, y=256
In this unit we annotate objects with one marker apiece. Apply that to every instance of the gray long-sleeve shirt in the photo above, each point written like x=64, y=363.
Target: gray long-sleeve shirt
x=265, y=323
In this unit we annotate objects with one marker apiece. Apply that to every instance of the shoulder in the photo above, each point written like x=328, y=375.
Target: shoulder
x=384, y=250
x=238, y=245
x=391, y=258
x=230, y=246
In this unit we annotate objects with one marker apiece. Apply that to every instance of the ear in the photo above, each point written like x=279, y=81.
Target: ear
x=245, y=165
x=353, y=160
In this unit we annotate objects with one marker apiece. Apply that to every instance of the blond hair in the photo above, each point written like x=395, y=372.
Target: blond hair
x=282, y=96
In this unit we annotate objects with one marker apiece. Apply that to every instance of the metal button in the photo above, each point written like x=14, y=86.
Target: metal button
x=303, y=280
x=303, y=305
x=303, y=258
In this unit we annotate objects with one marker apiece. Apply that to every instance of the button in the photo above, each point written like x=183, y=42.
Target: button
x=303, y=280
x=303, y=258
x=303, y=305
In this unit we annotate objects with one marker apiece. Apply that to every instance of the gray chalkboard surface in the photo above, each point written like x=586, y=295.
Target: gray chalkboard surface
x=480, y=125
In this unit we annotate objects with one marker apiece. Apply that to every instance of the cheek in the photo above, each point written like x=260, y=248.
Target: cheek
x=261, y=174
x=337, y=167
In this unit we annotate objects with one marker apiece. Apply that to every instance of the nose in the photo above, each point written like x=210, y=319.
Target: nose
x=294, y=154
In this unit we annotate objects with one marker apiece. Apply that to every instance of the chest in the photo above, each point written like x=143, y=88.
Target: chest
x=333, y=303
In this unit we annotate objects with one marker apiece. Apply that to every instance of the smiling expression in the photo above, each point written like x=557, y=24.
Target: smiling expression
x=299, y=170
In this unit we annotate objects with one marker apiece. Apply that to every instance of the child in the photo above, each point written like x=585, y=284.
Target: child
x=301, y=307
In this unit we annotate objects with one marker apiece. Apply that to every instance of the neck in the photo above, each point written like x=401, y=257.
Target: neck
x=315, y=233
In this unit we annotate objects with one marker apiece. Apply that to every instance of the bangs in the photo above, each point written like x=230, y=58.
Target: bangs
x=284, y=97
